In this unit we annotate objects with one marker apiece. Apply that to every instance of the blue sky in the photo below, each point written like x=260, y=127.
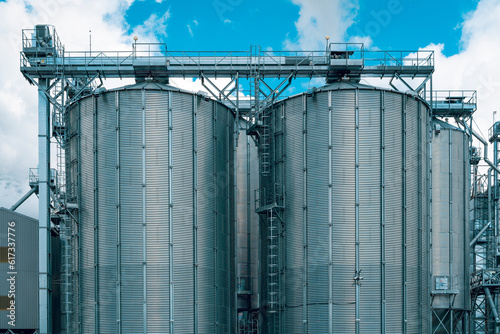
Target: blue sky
x=237, y=24
x=416, y=23
x=465, y=35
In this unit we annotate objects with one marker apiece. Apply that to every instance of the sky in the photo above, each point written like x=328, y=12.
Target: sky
x=465, y=35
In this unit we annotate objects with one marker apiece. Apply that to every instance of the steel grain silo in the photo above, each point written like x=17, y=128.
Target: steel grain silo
x=450, y=228
x=151, y=168
x=347, y=181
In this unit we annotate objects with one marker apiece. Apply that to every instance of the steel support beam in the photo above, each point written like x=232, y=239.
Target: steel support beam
x=492, y=305
x=44, y=275
x=24, y=198
x=473, y=242
x=274, y=94
x=222, y=96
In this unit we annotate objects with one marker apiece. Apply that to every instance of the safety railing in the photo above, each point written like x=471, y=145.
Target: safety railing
x=489, y=277
x=338, y=54
x=33, y=40
x=453, y=98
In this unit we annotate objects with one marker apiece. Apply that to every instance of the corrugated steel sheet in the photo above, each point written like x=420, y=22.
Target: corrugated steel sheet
x=391, y=144
x=124, y=152
x=26, y=268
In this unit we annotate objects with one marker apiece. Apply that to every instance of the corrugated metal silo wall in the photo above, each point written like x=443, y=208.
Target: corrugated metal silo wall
x=356, y=178
x=450, y=211
x=134, y=209
x=24, y=236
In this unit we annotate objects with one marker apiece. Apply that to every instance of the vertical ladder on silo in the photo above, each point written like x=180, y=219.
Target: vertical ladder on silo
x=272, y=261
x=265, y=143
x=66, y=268
x=254, y=79
x=59, y=132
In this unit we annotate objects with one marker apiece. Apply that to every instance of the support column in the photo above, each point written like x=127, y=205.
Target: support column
x=44, y=292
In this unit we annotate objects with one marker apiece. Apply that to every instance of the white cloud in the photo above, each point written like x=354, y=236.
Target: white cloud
x=18, y=100
x=366, y=40
x=153, y=28
x=190, y=28
x=476, y=65
x=227, y=21
x=320, y=18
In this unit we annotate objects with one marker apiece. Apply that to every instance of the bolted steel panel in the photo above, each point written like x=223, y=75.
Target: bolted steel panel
x=378, y=158
x=127, y=155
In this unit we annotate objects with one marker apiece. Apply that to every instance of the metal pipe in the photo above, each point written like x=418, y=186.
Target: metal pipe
x=170, y=217
x=144, y=229
x=484, y=142
x=356, y=214
x=330, y=215
x=490, y=215
x=493, y=306
x=118, y=218
x=237, y=84
x=473, y=242
x=195, y=213
x=450, y=215
x=405, y=216
x=96, y=213
x=71, y=206
x=304, y=214
x=382, y=211
x=24, y=198
x=495, y=198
